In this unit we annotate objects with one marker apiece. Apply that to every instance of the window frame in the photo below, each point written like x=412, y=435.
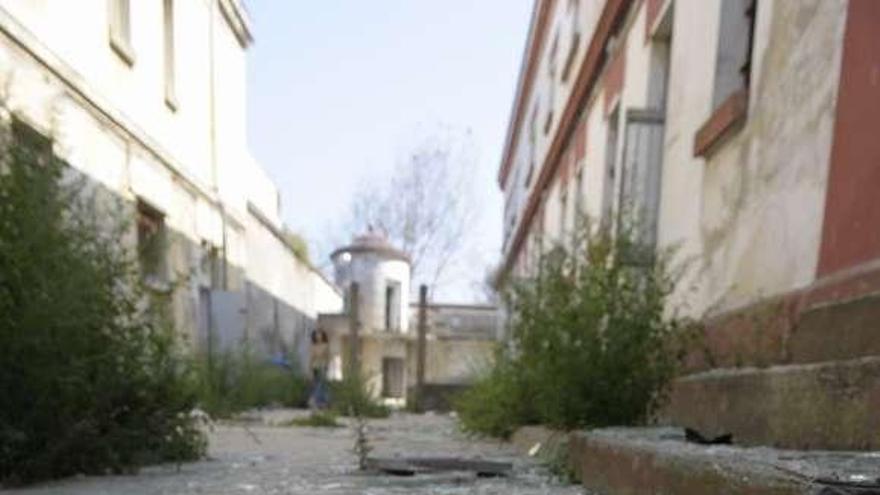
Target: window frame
x=574, y=41
x=551, y=78
x=169, y=54
x=729, y=112
x=119, y=29
x=152, y=233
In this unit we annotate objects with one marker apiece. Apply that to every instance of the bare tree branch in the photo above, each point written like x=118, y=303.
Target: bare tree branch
x=427, y=208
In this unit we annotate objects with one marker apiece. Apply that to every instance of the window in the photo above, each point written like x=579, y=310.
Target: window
x=658, y=77
x=392, y=378
x=610, y=163
x=579, y=217
x=563, y=211
x=733, y=67
x=120, y=30
x=392, y=306
x=551, y=86
x=212, y=268
x=733, y=73
x=151, y=243
x=533, y=142
x=539, y=232
x=168, y=35
x=640, y=183
x=508, y=231
x=574, y=38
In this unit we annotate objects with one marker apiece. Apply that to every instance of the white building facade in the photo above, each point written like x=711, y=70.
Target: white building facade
x=147, y=99
x=459, y=339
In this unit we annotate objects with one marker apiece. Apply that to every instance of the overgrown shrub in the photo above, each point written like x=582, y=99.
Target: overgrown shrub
x=592, y=344
x=234, y=381
x=90, y=378
x=499, y=402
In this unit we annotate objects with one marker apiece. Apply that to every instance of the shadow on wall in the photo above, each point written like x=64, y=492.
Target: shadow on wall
x=207, y=317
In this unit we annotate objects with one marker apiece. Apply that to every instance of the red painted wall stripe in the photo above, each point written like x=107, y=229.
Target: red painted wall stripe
x=851, y=231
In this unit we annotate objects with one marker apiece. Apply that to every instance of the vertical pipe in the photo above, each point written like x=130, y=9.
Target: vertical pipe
x=212, y=129
x=422, y=342
x=354, y=327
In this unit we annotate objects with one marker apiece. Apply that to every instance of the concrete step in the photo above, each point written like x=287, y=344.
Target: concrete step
x=636, y=461
x=632, y=461
x=832, y=405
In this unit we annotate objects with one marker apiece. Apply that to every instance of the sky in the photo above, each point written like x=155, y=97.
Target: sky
x=340, y=90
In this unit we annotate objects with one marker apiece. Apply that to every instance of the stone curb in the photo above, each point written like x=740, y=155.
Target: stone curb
x=630, y=461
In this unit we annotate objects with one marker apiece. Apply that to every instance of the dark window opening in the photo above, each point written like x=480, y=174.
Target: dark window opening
x=151, y=239
x=392, y=306
x=746, y=68
x=733, y=67
x=393, y=378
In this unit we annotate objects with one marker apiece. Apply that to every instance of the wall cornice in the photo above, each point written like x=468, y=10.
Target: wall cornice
x=238, y=21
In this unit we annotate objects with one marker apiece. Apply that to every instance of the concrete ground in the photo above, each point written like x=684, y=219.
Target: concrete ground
x=267, y=458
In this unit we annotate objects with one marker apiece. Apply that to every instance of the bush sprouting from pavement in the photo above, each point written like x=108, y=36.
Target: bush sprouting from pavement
x=90, y=377
x=591, y=344
x=498, y=402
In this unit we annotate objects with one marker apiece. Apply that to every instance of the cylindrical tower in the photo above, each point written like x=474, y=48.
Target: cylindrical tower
x=383, y=275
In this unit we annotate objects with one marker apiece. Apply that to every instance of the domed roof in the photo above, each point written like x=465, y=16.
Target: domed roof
x=372, y=241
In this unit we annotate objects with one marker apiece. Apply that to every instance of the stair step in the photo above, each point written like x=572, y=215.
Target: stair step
x=832, y=405
x=633, y=461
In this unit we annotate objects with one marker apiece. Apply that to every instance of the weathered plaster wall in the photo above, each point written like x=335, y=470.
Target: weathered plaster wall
x=455, y=361
x=689, y=98
x=109, y=120
x=762, y=193
x=77, y=32
x=272, y=265
x=285, y=295
x=373, y=351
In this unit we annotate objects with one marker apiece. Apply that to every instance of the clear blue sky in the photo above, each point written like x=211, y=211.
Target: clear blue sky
x=338, y=90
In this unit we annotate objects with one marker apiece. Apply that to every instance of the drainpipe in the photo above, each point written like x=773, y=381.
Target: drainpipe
x=212, y=96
